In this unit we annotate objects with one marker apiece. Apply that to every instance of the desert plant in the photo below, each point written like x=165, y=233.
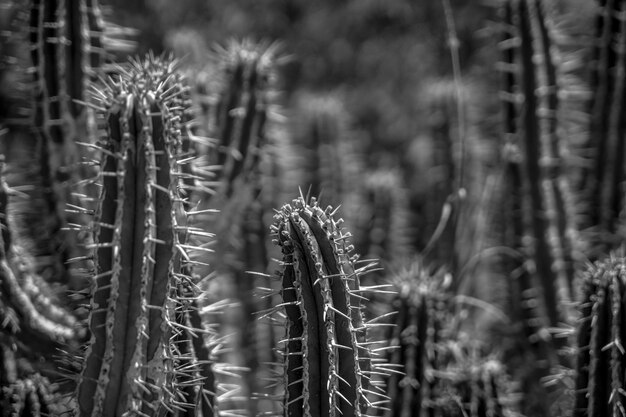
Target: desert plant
x=323, y=138
x=329, y=365
x=600, y=354
x=532, y=129
x=141, y=356
x=601, y=185
x=237, y=103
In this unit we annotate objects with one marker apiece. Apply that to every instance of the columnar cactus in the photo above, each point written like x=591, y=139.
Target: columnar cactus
x=34, y=325
x=600, y=359
x=143, y=302
x=533, y=139
x=602, y=186
x=328, y=362
x=381, y=224
x=237, y=104
x=421, y=306
x=50, y=52
x=330, y=164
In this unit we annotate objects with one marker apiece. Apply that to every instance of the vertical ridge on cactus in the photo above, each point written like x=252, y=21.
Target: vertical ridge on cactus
x=327, y=359
x=141, y=257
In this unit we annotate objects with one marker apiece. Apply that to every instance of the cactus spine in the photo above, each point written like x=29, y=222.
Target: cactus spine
x=141, y=256
x=327, y=359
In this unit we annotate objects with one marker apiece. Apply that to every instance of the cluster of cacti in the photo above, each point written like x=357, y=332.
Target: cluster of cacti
x=175, y=226
x=443, y=374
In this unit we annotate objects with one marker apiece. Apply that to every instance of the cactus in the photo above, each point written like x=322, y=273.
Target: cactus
x=381, y=226
x=237, y=103
x=420, y=304
x=330, y=163
x=143, y=296
x=601, y=186
x=236, y=93
x=548, y=223
x=538, y=222
x=50, y=54
x=29, y=306
x=478, y=386
x=328, y=363
x=600, y=354
x=599, y=359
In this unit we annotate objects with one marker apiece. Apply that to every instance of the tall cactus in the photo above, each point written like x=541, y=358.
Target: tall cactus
x=602, y=185
x=328, y=362
x=381, y=224
x=421, y=312
x=330, y=163
x=548, y=224
x=34, y=325
x=238, y=112
x=600, y=359
x=50, y=52
x=143, y=297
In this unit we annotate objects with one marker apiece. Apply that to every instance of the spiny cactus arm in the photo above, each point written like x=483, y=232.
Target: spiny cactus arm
x=141, y=309
x=561, y=231
x=27, y=295
x=293, y=352
x=207, y=392
x=583, y=356
x=533, y=179
x=603, y=179
x=599, y=372
x=327, y=356
x=411, y=336
x=241, y=110
x=132, y=275
x=600, y=361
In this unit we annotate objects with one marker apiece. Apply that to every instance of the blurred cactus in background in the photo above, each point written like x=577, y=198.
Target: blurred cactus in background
x=141, y=357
